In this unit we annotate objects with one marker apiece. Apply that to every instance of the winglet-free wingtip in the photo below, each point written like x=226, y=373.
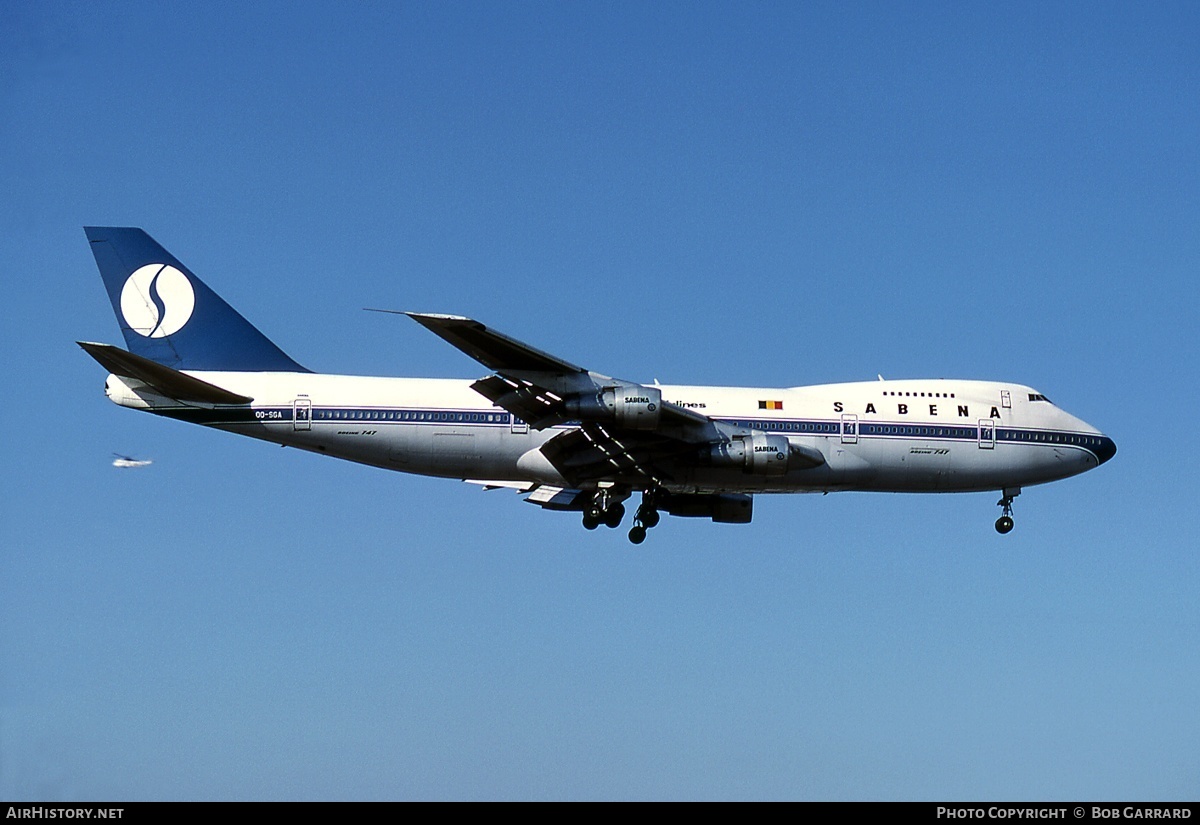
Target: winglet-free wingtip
x=423, y=317
x=438, y=316
x=430, y=320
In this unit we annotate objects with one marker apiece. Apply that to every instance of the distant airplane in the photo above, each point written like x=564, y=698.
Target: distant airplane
x=126, y=462
x=571, y=438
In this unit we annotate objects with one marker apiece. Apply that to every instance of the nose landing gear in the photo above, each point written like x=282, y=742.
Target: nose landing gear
x=1004, y=524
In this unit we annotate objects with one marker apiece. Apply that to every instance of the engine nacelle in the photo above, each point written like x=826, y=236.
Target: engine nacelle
x=634, y=408
x=755, y=454
x=725, y=508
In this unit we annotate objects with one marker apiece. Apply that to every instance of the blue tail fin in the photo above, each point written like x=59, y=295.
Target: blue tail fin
x=170, y=316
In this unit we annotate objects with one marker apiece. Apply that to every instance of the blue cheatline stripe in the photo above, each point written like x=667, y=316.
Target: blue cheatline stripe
x=924, y=432
x=1100, y=446
x=337, y=415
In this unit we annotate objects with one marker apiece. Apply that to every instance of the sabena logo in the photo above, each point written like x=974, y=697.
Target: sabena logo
x=157, y=300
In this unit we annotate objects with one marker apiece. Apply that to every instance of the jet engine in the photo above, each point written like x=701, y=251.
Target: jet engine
x=631, y=407
x=755, y=454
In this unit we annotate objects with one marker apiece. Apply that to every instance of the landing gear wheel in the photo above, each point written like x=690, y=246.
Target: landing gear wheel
x=590, y=522
x=615, y=514
x=649, y=517
x=637, y=534
x=1005, y=523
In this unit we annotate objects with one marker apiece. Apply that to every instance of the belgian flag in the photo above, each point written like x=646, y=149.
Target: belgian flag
x=770, y=405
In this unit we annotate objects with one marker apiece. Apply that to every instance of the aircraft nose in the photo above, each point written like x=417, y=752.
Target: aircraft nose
x=1106, y=449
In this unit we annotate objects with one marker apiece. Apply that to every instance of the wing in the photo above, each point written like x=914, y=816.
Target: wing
x=545, y=389
x=624, y=432
x=494, y=350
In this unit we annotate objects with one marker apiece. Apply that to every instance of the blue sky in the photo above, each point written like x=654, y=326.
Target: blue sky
x=742, y=194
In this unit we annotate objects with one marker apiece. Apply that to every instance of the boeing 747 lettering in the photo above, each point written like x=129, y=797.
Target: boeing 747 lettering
x=569, y=438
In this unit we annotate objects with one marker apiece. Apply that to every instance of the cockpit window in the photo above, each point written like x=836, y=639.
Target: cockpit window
x=1037, y=396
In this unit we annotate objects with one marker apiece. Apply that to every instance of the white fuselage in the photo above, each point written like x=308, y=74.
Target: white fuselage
x=910, y=435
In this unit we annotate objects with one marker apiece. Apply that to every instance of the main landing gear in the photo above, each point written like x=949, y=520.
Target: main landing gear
x=1004, y=524
x=603, y=509
x=606, y=508
x=646, y=518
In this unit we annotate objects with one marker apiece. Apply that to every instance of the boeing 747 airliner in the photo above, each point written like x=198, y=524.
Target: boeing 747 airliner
x=569, y=438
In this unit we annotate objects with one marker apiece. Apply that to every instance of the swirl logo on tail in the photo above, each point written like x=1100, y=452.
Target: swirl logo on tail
x=157, y=300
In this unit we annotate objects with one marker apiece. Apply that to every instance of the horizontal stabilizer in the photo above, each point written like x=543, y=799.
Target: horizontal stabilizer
x=163, y=380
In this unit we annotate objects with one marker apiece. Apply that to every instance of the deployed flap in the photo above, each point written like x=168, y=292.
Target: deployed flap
x=496, y=484
x=536, y=406
x=556, y=498
x=543, y=495
x=163, y=380
x=594, y=452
